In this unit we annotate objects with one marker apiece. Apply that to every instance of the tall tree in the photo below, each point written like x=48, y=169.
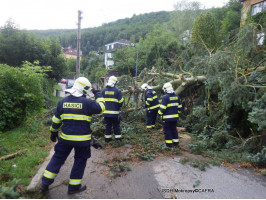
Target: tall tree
x=232, y=17
x=204, y=32
x=183, y=17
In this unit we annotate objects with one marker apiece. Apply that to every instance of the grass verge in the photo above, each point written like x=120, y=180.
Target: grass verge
x=32, y=140
x=34, y=147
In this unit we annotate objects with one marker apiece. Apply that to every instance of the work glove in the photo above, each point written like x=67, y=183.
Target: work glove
x=94, y=91
x=54, y=136
x=97, y=94
x=95, y=143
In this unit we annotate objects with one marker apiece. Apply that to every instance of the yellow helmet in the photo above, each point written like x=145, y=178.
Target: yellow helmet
x=144, y=86
x=82, y=86
x=112, y=81
x=168, y=88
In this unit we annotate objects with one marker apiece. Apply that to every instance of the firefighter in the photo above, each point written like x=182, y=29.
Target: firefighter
x=152, y=105
x=113, y=101
x=72, y=116
x=169, y=111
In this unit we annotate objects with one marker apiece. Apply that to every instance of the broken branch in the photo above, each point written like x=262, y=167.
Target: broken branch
x=19, y=153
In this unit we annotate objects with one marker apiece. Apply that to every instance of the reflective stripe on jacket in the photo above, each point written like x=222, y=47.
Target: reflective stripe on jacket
x=113, y=101
x=151, y=100
x=170, y=107
x=73, y=116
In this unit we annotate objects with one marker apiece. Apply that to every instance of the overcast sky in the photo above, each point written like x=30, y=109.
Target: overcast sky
x=63, y=14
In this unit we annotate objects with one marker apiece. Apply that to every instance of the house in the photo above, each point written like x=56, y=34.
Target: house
x=253, y=7
x=70, y=52
x=109, y=51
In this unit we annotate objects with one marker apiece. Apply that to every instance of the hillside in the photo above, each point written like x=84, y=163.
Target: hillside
x=93, y=39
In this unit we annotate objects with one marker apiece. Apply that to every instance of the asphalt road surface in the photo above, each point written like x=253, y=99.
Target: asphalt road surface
x=165, y=177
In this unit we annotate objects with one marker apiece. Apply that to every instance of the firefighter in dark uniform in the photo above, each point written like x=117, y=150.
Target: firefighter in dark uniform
x=152, y=105
x=73, y=116
x=169, y=111
x=113, y=101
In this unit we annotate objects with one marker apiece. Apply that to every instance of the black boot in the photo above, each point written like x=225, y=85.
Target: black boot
x=107, y=140
x=81, y=188
x=44, y=188
x=175, y=144
x=119, y=139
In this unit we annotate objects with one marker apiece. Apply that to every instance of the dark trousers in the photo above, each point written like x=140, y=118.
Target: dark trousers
x=151, y=116
x=112, y=122
x=62, y=150
x=170, y=133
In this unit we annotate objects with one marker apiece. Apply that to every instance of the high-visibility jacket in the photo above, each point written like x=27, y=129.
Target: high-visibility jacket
x=113, y=101
x=74, y=114
x=151, y=100
x=170, y=107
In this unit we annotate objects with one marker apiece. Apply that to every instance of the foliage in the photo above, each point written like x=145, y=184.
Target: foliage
x=21, y=93
x=9, y=192
x=231, y=20
x=18, y=46
x=204, y=31
x=97, y=73
x=71, y=65
x=260, y=157
x=94, y=39
x=197, y=115
x=182, y=19
x=158, y=49
x=32, y=139
x=258, y=113
x=224, y=120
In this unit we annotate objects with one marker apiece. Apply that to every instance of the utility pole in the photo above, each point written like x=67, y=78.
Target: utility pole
x=78, y=45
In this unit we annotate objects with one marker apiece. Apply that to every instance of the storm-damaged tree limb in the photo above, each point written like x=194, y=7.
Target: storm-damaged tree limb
x=181, y=82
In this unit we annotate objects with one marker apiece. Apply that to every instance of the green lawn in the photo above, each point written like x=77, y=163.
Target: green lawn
x=35, y=148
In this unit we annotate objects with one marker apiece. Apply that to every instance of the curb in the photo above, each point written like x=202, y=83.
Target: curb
x=36, y=180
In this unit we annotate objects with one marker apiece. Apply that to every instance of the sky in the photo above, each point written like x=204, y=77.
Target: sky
x=63, y=14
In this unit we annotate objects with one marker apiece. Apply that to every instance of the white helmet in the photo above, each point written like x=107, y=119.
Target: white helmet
x=144, y=86
x=82, y=86
x=112, y=81
x=168, y=88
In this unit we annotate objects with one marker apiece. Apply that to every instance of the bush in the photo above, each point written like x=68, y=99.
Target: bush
x=196, y=121
x=21, y=93
x=9, y=192
x=260, y=157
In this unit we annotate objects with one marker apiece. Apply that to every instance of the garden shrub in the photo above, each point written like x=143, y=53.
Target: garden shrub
x=260, y=157
x=21, y=93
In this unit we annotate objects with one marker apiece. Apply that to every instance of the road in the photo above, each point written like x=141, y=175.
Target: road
x=165, y=177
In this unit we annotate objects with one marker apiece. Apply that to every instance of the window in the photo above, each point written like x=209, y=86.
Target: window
x=109, y=55
x=257, y=8
x=260, y=38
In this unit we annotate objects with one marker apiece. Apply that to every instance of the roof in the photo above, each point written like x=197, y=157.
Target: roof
x=122, y=41
x=69, y=50
x=113, y=73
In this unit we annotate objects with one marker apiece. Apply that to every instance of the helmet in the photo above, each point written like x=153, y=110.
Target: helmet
x=168, y=88
x=82, y=86
x=144, y=86
x=112, y=81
